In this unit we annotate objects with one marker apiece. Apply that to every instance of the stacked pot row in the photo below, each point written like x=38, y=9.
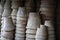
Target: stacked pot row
x=32, y=25
x=21, y=24
x=47, y=8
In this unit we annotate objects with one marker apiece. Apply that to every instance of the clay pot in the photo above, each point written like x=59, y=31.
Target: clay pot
x=2, y=38
x=9, y=35
x=20, y=29
x=8, y=25
x=49, y=23
x=21, y=22
x=30, y=36
x=33, y=21
x=21, y=25
x=30, y=39
x=41, y=32
x=51, y=33
x=17, y=38
x=6, y=12
x=21, y=18
x=7, y=4
x=20, y=32
x=22, y=12
x=31, y=31
x=19, y=35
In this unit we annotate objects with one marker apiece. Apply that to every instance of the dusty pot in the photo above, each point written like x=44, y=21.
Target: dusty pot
x=6, y=13
x=41, y=32
x=31, y=31
x=30, y=36
x=33, y=21
x=22, y=12
x=8, y=25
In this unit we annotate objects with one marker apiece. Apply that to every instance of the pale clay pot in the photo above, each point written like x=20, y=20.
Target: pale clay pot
x=8, y=25
x=2, y=38
x=9, y=35
x=33, y=21
x=30, y=36
x=19, y=35
x=31, y=31
x=22, y=12
x=51, y=33
x=6, y=12
x=17, y=38
x=21, y=25
x=41, y=32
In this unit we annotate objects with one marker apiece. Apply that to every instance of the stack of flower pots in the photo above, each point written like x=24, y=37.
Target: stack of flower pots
x=51, y=32
x=7, y=10
x=32, y=25
x=47, y=8
x=21, y=24
x=7, y=31
x=42, y=33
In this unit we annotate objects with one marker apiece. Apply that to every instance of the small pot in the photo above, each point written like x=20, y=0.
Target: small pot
x=19, y=35
x=30, y=39
x=31, y=31
x=30, y=36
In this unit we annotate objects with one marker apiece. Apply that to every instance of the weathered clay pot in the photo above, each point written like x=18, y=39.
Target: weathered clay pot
x=7, y=4
x=31, y=31
x=30, y=36
x=6, y=12
x=33, y=21
x=21, y=21
x=9, y=35
x=17, y=38
x=2, y=38
x=20, y=32
x=51, y=33
x=19, y=35
x=21, y=25
x=21, y=18
x=20, y=29
x=22, y=12
x=41, y=32
x=30, y=39
x=8, y=25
